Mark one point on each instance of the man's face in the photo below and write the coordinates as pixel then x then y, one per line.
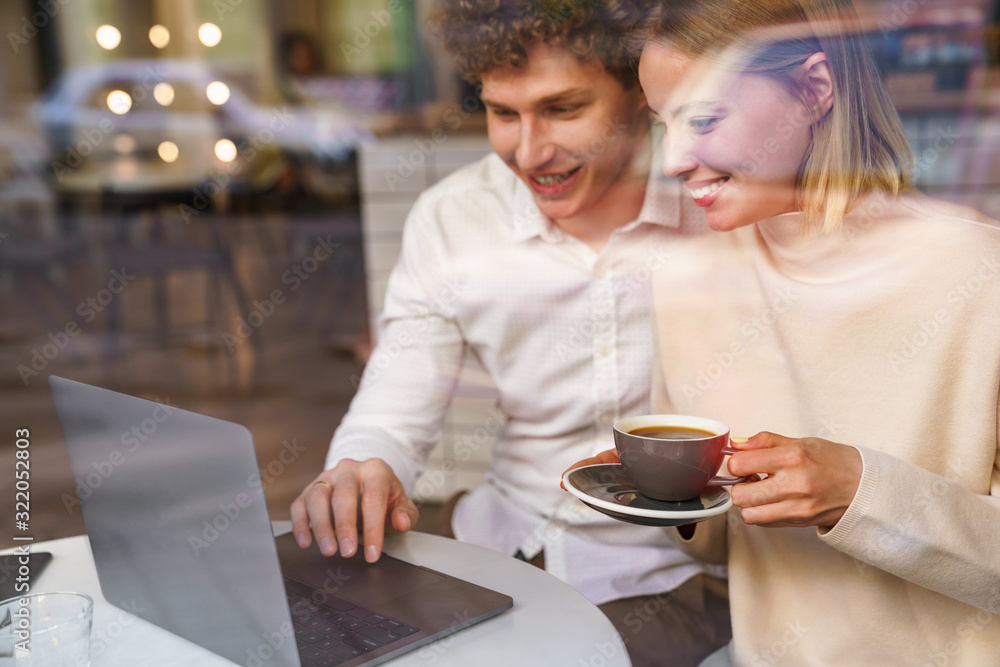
pixel 567 128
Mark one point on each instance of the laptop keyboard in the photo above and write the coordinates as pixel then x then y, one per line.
pixel 337 630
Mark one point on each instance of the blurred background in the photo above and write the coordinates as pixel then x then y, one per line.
pixel 201 200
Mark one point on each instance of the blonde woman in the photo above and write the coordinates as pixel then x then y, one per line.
pixel 847 324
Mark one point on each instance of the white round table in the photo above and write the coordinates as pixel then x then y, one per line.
pixel 549 624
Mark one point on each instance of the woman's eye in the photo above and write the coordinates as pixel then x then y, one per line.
pixel 704 124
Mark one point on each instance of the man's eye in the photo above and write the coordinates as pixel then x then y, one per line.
pixel 502 113
pixel 565 109
pixel 704 124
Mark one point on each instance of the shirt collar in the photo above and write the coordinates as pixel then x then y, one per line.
pixel 661 204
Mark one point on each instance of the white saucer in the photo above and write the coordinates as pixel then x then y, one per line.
pixel 605 488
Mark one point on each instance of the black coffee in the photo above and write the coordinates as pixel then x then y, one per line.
pixel 671 432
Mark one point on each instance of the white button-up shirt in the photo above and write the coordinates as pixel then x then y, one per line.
pixel 565 334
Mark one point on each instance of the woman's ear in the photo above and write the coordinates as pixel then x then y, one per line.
pixel 816 80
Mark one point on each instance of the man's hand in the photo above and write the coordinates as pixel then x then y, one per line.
pixel 810 482
pixel 607 456
pixel 335 493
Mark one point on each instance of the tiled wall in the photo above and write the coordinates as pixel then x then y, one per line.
pixel 393 172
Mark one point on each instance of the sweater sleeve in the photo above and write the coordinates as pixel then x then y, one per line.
pixel 925 528
pixel 409 380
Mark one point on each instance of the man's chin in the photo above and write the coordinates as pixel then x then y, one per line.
pixel 556 209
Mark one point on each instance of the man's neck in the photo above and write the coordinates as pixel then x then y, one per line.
pixel 619 206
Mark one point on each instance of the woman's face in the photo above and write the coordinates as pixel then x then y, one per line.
pixel 735 140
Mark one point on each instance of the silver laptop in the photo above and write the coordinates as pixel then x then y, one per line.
pixel 178 525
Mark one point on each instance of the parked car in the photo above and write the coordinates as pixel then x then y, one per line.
pixel 147 126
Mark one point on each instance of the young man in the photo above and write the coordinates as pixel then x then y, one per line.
pixel 538 259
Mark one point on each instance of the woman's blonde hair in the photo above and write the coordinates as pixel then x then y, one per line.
pixel 859 147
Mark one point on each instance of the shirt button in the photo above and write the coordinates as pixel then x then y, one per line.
pixel 604 351
pixel 607 419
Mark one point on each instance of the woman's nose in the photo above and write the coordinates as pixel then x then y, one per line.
pixel 678 157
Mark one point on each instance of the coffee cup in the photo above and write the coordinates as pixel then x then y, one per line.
pixel 673 457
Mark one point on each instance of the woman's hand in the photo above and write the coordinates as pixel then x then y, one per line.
pixel 607 456
pixel 810 482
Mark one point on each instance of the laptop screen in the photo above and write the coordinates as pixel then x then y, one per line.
pixel 177 520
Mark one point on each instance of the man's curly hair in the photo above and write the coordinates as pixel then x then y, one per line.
pixel 483 35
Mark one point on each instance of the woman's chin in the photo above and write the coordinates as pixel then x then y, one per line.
pixel 725 223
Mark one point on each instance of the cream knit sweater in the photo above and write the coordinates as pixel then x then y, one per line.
pixel 884 336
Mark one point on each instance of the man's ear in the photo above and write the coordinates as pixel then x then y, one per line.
pixel 816 80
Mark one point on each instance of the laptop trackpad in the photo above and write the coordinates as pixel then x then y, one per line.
pixel 351 578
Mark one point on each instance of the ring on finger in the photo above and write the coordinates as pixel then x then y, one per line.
pixel 324 483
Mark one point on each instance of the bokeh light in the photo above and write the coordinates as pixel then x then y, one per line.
pixel 119 102
pixel 108 37
pixel 163 93
pixel 225 150
pixel 168 151
pixel 217 92
pixel 124 143
pixel 159 36
pixel 209 34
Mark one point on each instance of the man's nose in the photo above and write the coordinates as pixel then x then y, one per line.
pixel 534 146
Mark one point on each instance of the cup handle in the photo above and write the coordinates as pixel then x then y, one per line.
pixel 726 481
